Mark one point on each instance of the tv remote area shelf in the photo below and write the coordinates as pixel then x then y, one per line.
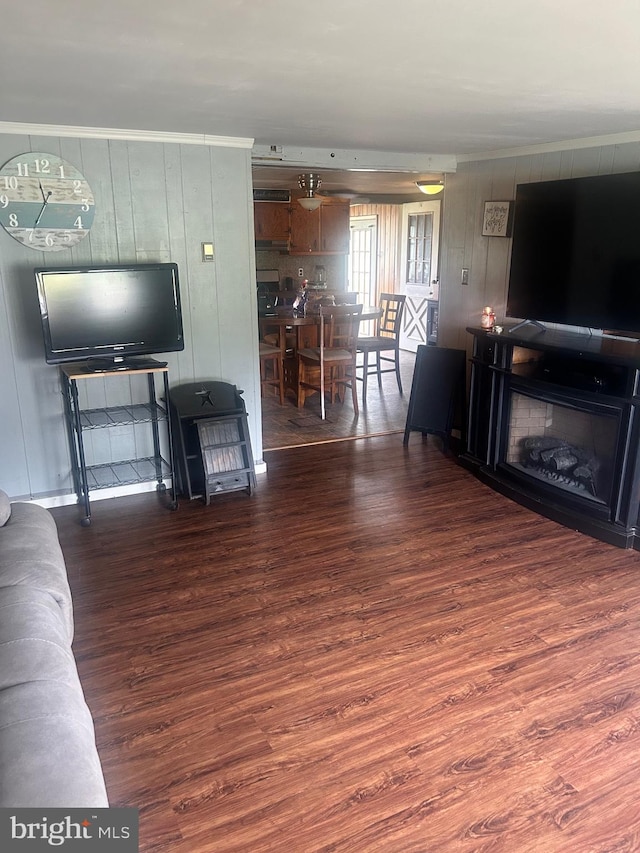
pixel 90 478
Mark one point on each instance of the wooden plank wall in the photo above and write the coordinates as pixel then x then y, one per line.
pixel 389 232
pixel 487 258
pixel 155 201
pixel 159 201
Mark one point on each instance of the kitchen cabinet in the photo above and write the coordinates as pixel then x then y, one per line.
pixel 272 221
pixel 305 230
pixel 334 228
pixel 324 231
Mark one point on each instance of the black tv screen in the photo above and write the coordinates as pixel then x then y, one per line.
pixel 575 256
pixel 110 313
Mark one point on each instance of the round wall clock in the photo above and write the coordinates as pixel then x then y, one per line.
pixel 45 202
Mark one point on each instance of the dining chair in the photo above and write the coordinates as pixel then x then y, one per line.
pixel 385 340
pixel 272 347
pixel 330 367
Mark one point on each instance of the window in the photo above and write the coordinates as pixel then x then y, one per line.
pixel 419 239
pixel 362 258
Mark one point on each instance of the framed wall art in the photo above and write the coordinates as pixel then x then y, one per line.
pixel 496 221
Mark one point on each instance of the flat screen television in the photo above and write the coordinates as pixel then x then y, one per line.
pixel 575 257
pixel 109 315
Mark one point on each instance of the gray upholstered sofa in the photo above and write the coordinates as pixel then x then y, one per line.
pixel 48 755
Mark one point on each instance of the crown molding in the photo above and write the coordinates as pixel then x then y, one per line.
pixel 378 161
pixel 550 147
pixel 115 133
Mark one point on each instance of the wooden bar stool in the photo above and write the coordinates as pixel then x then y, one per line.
pixel 272 369
pixel 331 366
pixel 385 340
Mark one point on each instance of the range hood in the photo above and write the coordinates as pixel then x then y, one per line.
pixel 273 245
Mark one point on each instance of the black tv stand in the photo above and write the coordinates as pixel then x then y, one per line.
pixel 130 466
pixel 541 329
pixel 567 390
pixel 108 365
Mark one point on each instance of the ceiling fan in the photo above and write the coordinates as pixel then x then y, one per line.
pixel 310 182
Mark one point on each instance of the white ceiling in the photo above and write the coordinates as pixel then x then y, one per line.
pixel 433 76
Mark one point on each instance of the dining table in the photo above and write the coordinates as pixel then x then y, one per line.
pixel 298 319
pixel 303 332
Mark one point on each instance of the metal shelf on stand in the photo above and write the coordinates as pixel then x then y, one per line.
pixel 90 478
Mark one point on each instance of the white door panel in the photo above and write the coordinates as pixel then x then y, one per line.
pixel 419 270
pixel 414 325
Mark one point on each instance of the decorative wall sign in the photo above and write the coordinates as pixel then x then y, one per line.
pixel 496 221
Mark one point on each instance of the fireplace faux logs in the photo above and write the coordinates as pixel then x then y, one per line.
pixel 561 462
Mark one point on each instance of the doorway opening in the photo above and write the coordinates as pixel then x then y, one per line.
pixel 362 267
pixel 370 266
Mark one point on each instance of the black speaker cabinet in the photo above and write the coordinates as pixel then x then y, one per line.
pixel 213 447
pixel 437 392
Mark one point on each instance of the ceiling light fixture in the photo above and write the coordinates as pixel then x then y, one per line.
pixel 309 183
pixel 430 187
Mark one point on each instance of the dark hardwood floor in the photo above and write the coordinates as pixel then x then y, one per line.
pixel 386 412
pixel 374 653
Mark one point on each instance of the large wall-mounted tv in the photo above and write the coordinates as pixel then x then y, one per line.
pixel 108 315
pixel 575 256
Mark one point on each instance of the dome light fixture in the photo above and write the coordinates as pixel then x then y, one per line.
pixel 430 187
pixel 309 182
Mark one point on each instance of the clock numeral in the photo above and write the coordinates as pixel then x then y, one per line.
pixel 4 200
pixel 48 240
pixel 31 231
pixel 78 222
pixel 77 186
pixel 85 205
pixel 61 170
pixel 10 182
pixel 23 170
pixel 13 220
pixel 43 166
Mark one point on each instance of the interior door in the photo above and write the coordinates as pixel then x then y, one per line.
pixel 419 270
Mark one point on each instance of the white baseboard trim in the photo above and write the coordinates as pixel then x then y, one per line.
pixel 116 492
pixel 99 495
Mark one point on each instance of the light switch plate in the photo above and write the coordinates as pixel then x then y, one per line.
pixel 207 251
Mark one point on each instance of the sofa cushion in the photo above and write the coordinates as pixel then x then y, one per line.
pixel 30 555
pixel 5 508
pixel 33 639
pixel 48 755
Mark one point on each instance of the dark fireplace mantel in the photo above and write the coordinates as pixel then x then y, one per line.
pixel 554 424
